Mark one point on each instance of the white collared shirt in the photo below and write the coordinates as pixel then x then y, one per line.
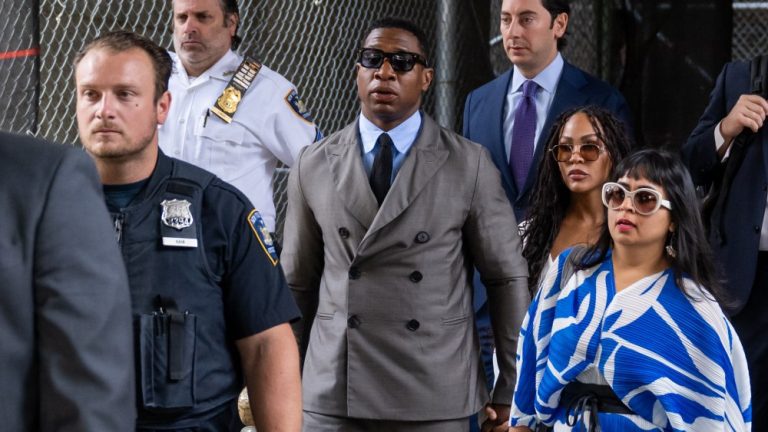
pixel 547 80
pixel 266 128
pixel 403 136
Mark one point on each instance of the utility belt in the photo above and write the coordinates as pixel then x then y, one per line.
pixel 580 398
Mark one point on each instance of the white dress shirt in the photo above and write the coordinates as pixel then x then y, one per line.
pixel 266 128
pixel 403 137
pixel 547 80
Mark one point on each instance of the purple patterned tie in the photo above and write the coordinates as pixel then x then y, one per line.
pixel 523 134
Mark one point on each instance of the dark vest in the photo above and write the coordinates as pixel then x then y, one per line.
pixel 186 362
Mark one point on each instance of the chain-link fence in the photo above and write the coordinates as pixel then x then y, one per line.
pixel 312 43
pixel 18 66
pixel 750 29
pixel 582 48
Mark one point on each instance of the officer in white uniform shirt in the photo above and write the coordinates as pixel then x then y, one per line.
pixel 253 127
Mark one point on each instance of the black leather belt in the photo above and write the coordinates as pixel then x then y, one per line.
pixel 580 398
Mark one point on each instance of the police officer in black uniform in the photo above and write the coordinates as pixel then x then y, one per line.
pixel 210 304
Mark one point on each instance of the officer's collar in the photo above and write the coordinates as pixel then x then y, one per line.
pixel 223 69
pixel 163 170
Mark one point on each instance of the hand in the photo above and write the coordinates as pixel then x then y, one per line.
pixel 498 418
pixel 749 112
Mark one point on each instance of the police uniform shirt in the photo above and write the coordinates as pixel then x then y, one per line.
pixel 256 296
pixel 238 260
pixel 270 124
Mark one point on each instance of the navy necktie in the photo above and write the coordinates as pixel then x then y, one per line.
pixel 381 172
pixel 523 134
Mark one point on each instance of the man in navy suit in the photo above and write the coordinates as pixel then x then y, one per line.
pixel 740 239
pixel 533 33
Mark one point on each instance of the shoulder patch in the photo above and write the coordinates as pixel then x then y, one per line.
pixel 262 234
pixel 298 106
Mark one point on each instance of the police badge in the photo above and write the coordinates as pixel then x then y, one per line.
pixel 226 104
pixel 177 216
pixel 176 213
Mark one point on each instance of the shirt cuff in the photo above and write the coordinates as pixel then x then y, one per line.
pixel 720 141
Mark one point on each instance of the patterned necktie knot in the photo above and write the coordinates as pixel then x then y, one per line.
pixel 529 88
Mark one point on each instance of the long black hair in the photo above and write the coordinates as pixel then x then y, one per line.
pixel 551 197
pixel 693 257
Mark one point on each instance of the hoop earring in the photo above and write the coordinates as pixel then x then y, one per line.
pixel 669 248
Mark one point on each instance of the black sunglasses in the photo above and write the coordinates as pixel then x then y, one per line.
pixel 372 58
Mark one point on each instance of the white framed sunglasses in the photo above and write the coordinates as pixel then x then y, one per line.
pixel 646 201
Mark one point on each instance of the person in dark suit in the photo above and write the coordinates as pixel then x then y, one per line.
pixel 385 220
pixel 740 240
pixel 533 33
pixel 66 360
pixel 513 114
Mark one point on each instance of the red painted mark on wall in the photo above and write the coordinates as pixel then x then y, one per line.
pixel 19 53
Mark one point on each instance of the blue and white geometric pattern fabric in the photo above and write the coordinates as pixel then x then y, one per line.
pixel 675 361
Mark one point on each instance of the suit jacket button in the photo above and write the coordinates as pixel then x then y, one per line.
pixel 422 237
pixel 343 232
pixel 757 228
pixel 416 277
pixel 354 273
pixel 413 325
pixel 353 322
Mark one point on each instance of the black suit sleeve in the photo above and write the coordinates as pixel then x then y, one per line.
pixel 82 308
pixel 699 152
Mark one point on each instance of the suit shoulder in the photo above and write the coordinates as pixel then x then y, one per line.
pixel 597 85
pixel 25 157
pixel 319 148
pixel 20 149
pixel 492 87
pixel 461 146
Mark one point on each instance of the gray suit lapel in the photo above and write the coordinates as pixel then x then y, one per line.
pixel 424 160
pixel 349 176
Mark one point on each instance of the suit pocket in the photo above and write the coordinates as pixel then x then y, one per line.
pixel 324 315
pixel 167 360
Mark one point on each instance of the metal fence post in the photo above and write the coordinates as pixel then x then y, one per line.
pixel 446 66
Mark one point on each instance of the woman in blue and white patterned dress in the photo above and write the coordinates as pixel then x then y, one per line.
pixel 628 335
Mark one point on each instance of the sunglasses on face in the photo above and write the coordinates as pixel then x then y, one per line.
pixel 372 58
pixel 645 201
pixel 588 152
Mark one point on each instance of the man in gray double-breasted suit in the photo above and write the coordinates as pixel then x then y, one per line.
pixel 387 337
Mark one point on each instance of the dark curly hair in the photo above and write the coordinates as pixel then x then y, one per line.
pixel 694 256
pixel 551 197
